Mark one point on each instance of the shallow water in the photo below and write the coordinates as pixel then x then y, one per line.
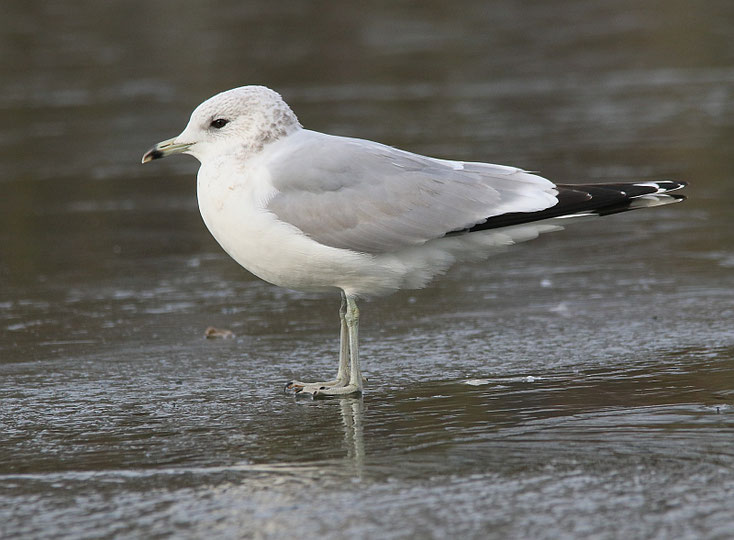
pixel 580 385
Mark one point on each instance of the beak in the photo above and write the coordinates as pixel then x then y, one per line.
pixel 165 148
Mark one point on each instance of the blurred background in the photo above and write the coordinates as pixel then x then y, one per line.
pixel 578 385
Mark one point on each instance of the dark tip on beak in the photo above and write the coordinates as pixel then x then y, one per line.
pixel 165 148
pixel 152 154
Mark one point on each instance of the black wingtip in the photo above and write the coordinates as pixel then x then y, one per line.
pixel 665 185
pixel 600 199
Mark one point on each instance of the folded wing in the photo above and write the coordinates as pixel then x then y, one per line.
pixel 368 197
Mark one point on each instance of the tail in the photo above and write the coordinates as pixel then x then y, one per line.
pixel 576 200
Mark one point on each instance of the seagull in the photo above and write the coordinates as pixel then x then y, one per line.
pixel 315 212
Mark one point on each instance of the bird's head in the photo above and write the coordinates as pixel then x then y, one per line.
pixel 241 121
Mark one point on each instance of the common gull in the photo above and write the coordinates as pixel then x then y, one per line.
pixel 316 212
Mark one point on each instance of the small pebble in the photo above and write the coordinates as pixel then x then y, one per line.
pixel 216 333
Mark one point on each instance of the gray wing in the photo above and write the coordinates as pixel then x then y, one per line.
pixel 365 196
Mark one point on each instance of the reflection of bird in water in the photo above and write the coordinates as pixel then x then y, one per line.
pixel 310 211
pixel 352 416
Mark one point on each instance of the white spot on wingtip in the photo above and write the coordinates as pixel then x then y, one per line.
pixel 653 185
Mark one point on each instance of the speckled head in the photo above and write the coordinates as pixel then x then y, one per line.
pixel 240 121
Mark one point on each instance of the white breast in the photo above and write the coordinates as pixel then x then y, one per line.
pixel 232 206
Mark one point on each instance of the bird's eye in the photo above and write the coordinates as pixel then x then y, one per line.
pixel 219 123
